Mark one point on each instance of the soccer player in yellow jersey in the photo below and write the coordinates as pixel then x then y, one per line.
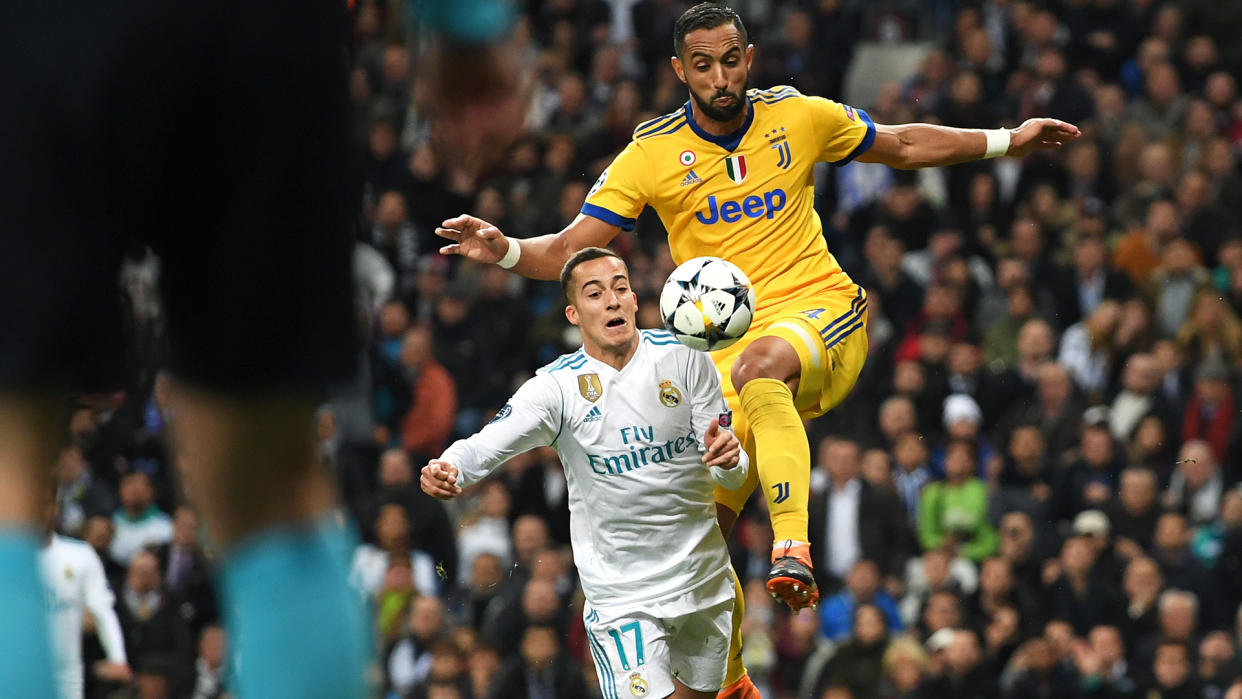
pixel 730 176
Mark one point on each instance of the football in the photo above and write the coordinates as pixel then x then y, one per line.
pixel 707 303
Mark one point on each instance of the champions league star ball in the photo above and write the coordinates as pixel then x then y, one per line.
pixel 707 303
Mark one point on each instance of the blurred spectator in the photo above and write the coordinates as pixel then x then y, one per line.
pixel 425 428
pixel 1034 345
pixel 1174 284
pixel 803 654
pixel 1212 332
pixel 209 675
pixel 858 661
pixel 854 520
pixel 911 472
pixel 1139 397
pixel 963 421
pixel 1023 482
pixel 539 488
pixel 862 586
pixel 1019 546
pixel 1087 351
pixel 1076 593
pixel 446 672
pixel 188 573
pixel 397 240
pixel 153 631
pixel 1089 281
pixel 138 523
pixel 1089 480
pixel 542 669
pixel 373 563
pixel 935 571
pixel 538 603
pixel 1035 672
pixel 964 675
pixel 1197 484
pixel 1178 566
pixel 1218 663
pixel 431 530
pixel 408 660
pixel 1173 672
pixel 79 496
pixel 1210 415
pixel 1133 511
pixel 1102 665
pixel 953 512
pixel 1162 110
pixel 998 591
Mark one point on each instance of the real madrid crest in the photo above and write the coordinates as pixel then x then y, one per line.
pixel 669 395
pixel 638 686
pixel 590 387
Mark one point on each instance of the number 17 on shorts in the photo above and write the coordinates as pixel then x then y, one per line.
pixel 639 655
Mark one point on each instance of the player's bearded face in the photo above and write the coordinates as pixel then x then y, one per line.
pixel 715 64
pixel 722 104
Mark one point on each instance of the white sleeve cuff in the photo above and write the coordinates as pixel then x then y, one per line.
pixel 732 478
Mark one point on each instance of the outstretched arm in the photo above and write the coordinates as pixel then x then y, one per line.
pixel 910 146
pixel 540 258
pixel 531 418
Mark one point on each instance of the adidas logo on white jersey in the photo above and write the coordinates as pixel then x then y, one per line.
pixel 690 179
pixel 594 416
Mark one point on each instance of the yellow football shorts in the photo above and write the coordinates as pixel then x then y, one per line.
pixel 829 333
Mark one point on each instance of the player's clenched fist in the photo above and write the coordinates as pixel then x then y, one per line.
pixel 723 449
pixel 439 480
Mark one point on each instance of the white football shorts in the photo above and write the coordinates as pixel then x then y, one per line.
pixel 639 655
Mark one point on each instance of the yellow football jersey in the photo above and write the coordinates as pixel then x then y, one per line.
pixel 747 197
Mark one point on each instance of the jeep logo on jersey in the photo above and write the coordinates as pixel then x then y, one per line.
pixel 732 211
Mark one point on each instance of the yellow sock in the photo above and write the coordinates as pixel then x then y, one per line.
pixel 784 455
pixel 736 669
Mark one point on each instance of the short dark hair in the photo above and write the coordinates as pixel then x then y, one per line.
pixel 705 15
pixel 583 255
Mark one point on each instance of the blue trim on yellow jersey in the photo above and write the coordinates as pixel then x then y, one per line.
pixel 858 298
pixel 729 141
pixel 865 144
pixel 607 216
pixel 648 128
pixel 774 96
pixel 667 128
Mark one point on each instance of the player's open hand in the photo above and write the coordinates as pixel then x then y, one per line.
pixel 1040 134
pixel 439 480
pixel 473 238
pixel 723 449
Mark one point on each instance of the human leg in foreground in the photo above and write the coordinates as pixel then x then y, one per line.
pixel 297 628
pixel 800 366
pixel 27 443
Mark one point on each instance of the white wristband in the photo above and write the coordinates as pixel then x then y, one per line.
pixel 511 255
pixel 998 142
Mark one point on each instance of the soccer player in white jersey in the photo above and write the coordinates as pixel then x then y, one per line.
pixel 74 580
pixel 639 423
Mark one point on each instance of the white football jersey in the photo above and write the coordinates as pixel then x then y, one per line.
pixel 73 578
pixel 642 511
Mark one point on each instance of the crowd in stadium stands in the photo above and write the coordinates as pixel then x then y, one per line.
pixel 1033 491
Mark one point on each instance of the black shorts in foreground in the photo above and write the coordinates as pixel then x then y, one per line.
pixel 214 132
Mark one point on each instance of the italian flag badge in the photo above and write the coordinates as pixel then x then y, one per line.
pixel 735 165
